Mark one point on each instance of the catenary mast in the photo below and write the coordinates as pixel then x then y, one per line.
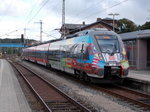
pixel 63 18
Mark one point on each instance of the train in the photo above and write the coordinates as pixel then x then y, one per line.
pixel 95 55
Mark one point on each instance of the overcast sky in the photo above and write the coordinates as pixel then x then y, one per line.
pixel 15 15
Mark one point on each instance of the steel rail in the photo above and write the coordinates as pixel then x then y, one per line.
pixel 140 103
pixel 47 109
pixel 133 91
pixel 83 108
pixel 61 92
pixel 123 96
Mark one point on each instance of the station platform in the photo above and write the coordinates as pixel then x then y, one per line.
pixel 141 75
pixel 139 79
pixel 12 98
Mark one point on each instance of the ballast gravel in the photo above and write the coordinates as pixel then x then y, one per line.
pixel 98 101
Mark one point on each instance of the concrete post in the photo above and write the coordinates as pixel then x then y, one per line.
pixel 141 54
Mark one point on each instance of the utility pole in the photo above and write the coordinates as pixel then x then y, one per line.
pixel 25 37
pixel 113 14
pixel 63 18
pixel 40 29
pixel 63 12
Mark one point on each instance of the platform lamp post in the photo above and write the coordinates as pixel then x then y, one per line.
pixel 113 14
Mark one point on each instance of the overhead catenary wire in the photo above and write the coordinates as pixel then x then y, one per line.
pixel 31 11
pixel 8 33
pixel 96 4
pixel 56 8
pixel 38 11
pixel 51 35
pixel 101 11
pixel 86 9
pixel 45 1
pixel 90 7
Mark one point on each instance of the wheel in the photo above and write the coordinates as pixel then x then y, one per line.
pixel 87 78
pixel 76 72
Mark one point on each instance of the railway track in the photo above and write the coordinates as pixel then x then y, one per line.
pixel 52 98
pixel 138 98
pixel 130 95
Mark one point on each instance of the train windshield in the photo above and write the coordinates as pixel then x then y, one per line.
pixel 108 43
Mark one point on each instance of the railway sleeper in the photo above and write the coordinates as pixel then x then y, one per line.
pixel 61 105
pixel 64 108
pixel 145 101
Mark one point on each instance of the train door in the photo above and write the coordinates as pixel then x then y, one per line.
pixel 78 55
pixel 62 57
pixel 82 57
pixel 46 56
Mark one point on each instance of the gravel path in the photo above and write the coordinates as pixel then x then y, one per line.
pixel 98 100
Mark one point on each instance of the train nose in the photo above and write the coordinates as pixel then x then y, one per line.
pixel 112 70
pixel 115 70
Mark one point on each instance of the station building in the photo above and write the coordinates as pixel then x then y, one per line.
pixel 137 45
pixel 68 29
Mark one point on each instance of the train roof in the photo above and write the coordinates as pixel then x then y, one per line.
pixel 86 32
pixel 81 33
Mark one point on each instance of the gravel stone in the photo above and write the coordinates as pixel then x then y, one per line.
pixel 99 101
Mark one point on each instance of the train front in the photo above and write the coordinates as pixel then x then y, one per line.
pixel 109 55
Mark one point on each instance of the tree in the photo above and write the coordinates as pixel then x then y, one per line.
pixel 145 26
pixel 126 25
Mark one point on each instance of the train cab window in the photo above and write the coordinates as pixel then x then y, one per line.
pixel 108 43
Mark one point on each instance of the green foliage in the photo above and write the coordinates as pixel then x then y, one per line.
pixel 7 50
pixel 126 25
pixel 18 40
pixel 6 40
pixel 145 26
